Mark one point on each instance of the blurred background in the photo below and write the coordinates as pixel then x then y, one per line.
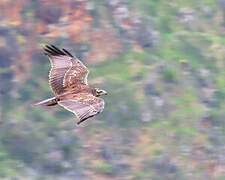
pixel 163 65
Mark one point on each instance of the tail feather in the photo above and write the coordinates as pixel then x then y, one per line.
pixel 47 102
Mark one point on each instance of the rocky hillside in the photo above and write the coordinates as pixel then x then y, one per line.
pixel 163 65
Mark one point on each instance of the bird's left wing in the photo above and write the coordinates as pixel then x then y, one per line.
pixel 83 105
pixel 66 72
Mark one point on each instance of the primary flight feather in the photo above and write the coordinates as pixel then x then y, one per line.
pixel 68 81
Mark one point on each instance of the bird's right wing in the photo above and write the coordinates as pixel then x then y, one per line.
pixel 83 105
pixel 67 71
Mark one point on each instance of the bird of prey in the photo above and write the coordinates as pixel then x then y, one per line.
pixel 68 81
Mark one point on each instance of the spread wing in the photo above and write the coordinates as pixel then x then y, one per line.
pixel 83 105
pixel 67 71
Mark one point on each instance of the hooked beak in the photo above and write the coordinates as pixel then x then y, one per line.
pixel 103 92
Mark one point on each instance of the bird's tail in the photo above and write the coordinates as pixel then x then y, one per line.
pixel 47 102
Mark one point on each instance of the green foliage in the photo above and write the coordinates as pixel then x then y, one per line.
pixel 157 152
pixel 140 175
pixel 21 146
pixel 169 76
pixel 8 169
pixel 216 118
pixel 122 106
pixel 25 93
pixel 103 168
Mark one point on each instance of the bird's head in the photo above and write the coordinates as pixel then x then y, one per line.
pixel 100 92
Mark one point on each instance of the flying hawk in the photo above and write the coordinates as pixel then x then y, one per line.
pixel 68 81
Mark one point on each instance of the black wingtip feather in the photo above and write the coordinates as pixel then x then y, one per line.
pixel 48 52
pixel 58 50
pixel 82 120
pixel 54 51
pixel 51 50
pixel 67 52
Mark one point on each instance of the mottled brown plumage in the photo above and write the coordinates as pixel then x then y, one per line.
pixel 68 80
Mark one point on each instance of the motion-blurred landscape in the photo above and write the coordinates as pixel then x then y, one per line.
pixel 162 63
